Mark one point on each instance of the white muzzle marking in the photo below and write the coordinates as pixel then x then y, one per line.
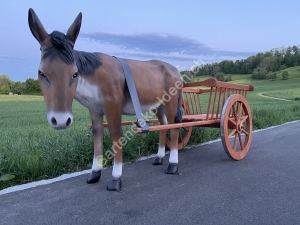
pixel 60 120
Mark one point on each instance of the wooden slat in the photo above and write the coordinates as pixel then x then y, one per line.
pixel 192 90
pixel 209 101
pixel 214 104
pixel 199 104
pixel 219 100
pixel 126 123
pixel 211 82
pixel 179 125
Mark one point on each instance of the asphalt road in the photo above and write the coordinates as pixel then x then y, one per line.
pixel 263 188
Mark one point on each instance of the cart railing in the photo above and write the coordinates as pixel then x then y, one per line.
pixel 218 93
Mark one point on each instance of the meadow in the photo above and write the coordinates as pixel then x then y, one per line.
pixel 31 150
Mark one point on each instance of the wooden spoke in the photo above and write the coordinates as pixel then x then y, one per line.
pixel 240 110
pixel 232 133
pixel 243 119
pixel 185 128
pixel 235 142
pixel 180 137
pixel 241 141
pixel 232 121
pixel 245 132
pixel 234 113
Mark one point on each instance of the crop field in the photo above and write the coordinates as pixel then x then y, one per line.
pixel 31 150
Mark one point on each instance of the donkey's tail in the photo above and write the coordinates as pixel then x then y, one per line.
pixel 179 112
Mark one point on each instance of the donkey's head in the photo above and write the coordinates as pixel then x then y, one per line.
pixel 57 71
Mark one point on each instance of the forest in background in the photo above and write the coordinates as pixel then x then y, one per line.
pixel 261 66
pixel 29 87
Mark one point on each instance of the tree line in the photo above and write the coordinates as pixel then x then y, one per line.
pixel 29 87
pixel 268 62
pixel 261 66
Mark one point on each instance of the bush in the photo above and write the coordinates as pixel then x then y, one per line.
pixel 259 73
pixel 282 67
pixel 227 79
pixel 285 75
pixel 220 76
pixel 272 76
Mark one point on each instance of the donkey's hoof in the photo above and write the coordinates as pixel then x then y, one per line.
pixel 158 161
pixel 94 177
pixel 114 185
pixel 172 168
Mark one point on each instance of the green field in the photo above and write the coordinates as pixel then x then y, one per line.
pixel 290 94
pixel 30 150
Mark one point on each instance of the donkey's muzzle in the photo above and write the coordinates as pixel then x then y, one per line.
pixel 60 120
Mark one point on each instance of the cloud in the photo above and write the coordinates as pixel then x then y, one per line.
pixel 166 45
pixel 12 57
pixel 149 42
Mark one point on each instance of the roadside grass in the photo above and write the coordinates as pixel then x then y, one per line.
pixel 30 150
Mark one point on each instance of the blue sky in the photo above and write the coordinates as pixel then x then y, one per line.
pixel 183 33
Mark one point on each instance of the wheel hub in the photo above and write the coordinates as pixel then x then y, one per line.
pixel 239 127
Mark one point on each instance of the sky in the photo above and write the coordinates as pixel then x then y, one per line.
pixel 182 33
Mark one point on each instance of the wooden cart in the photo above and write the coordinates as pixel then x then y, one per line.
pixel 216 104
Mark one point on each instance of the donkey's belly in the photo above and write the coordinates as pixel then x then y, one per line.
pixel 128 108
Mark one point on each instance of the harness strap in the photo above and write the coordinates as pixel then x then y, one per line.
pixel 134 96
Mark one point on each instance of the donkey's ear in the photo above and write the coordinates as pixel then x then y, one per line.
pixel 74 29
pixel 36 27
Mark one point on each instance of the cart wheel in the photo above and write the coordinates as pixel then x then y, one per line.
pixel 184 132
pixel 236 127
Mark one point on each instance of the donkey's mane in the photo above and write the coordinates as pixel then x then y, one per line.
pixel 86 62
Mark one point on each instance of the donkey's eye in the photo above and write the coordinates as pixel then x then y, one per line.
pixel 41 74
pixel 75 75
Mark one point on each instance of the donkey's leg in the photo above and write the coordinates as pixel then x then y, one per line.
pixel 114 124
pixel 98 129
pixel 172 112
pixel 162 139
pixel 172 167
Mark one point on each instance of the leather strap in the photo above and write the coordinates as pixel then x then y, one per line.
pixel 134 96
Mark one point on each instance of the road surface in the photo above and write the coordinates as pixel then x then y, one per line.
pixel 263 188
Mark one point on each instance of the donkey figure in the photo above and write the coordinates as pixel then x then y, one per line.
pixel 97 81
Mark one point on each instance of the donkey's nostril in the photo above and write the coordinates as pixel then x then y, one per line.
pixel 68 121
pixel 53 121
